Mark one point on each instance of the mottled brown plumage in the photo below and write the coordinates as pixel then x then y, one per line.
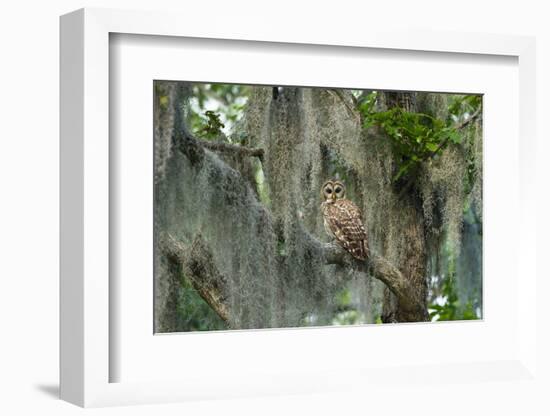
pixel 342 220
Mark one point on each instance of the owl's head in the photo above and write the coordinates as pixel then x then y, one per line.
pixel 332 190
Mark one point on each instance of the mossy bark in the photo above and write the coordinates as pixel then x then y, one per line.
pixel 414 258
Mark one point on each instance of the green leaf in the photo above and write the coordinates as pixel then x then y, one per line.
pixel 432 147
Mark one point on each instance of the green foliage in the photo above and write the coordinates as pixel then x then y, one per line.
pixel 462 106
pixel 344 298
pixel 345 313
pixel 213 126
pixel 450 309
pixel 162 97
pixel 415 137
pixel 228 96
pixel 215 108
pixel 349 317
pixel 163 101
pixel 367 104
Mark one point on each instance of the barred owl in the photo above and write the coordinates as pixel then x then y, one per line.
pixel 342 220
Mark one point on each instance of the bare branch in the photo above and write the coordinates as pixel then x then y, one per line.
pixel 190 140
pixel 340 96
pixel 458 126
pixel 470 119
pixel 378 267
pixel 232 148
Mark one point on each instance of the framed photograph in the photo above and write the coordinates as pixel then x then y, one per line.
pixel 281 213
pixel 249 179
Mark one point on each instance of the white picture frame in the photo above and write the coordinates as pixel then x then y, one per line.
pixel 86 356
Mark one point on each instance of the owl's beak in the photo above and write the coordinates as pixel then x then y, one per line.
pixel 333 196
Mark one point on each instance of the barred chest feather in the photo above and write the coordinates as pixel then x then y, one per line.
pixel 342 221
pixel 326 224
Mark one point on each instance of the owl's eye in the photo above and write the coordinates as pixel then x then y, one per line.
pixel 328 191
pixel 338 190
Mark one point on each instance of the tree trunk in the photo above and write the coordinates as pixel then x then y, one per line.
pixel 413 267
pixel 413 237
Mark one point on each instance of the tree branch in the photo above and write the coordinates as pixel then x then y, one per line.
pixel 198 266
pixel 378 267
pixel 339 95
pixel 458 126
pixel 470 119
pixel 190 139
pixel 232 148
